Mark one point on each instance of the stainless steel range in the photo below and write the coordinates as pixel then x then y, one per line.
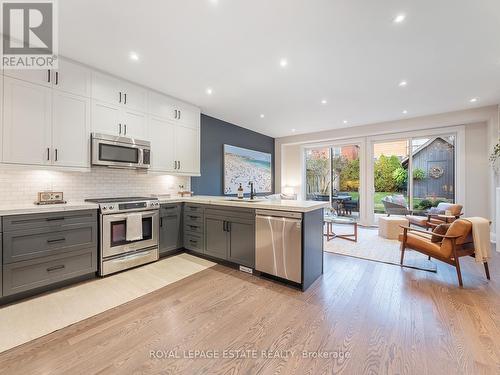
pixel 128 232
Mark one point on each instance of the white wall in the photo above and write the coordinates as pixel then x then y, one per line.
pixel 481 133
pixel 22 185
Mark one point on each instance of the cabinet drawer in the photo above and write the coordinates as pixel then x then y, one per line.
pixel 241 213
pixel 31 274
pixel 48 220
pixel 193 227
pixel 193 217
pixel 193 241
pixel 41 242
pixel 167 210
pixel 191 209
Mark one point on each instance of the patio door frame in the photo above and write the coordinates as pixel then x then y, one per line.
pixel 457 131
pixel 361 143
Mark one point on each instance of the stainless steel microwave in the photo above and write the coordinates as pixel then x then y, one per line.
pixel 120 152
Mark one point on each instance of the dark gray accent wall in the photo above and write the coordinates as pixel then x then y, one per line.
pixel 214 134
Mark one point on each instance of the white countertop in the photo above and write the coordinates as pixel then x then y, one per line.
pixel 259 203
pixel 266 204
pixel 31 208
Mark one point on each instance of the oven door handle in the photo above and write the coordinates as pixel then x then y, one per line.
pixel 124 217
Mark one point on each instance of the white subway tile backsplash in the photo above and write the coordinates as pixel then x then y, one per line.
pixel 22 186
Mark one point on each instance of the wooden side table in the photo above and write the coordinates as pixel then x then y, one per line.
pixel 330 234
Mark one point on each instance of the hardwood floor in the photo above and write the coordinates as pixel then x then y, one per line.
pixel 361 317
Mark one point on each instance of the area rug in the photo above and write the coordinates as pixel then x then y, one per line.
pixel 27 320
pixel 372 247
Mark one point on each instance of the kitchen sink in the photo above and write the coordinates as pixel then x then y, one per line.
pixel 248 200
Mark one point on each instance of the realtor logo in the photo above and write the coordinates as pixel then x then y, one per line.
pixel 29 34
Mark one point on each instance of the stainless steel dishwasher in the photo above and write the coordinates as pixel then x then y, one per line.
pixel 278 244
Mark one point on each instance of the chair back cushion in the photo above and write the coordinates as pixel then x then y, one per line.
pixel 440 229
pixel 461 228
pixel 455 209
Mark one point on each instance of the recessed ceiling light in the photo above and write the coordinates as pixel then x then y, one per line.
pixel 323 101
pixel 403 83
pixel 134 56
pixel 473 100
pixel 283 63
pixel 399 18
pixel 209 91
pixel 262 115
pixel 405 112
pixel 345 121
pixel 294 130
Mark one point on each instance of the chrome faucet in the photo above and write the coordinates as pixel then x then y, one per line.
pixel 252 191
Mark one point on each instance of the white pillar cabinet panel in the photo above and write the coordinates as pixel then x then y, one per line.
pixel 39 76
pixel 106 118
pixel 187 149
pixel 134 97
pixel 26 122
pixel 72 78
pixel 133 124
pixel 106 89
pixel 189 116
pixel 70 130
pixel 162 133
pixel 161 106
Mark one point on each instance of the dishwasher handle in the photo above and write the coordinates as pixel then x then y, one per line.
pixel 279 214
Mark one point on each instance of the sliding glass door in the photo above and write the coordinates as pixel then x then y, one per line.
pixel 411 175
pixel 333 175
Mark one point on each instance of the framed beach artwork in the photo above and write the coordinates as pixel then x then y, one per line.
pixel 242 165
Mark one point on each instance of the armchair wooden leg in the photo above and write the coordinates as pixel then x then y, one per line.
pixel 487 270
pixel 459 273
pixel 403 244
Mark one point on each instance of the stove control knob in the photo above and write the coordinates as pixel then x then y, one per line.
pixel 111 207
pixel 104 208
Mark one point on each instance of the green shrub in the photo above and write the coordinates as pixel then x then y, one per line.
pixel 418 174
pixel 383 170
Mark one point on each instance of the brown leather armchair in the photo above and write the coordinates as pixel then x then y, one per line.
pixel 433 220
pixel 448 248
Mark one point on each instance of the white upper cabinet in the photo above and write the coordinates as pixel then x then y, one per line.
pixel 70 130
pixel 69 77
pixel 48 115
pixel 166 107
pixel 106 118
pixel 72 78
pixel 133 124
pixel 187 150
pixel 161 134
pixel 41 77
pixel 162 106
pixel 115 91
pixel 26 123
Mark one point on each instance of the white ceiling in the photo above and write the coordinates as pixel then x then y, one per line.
pixel 348 52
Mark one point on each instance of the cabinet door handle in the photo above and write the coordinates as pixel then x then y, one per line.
pixel 125 98
pixel 57 78
pixel 56 154
pixel 48 75
pixel 179 164
pixel 55 240
pixel 161 222
pixel 175 114
pixel 224 226
pixel 120 129
pixel 55 218
pixel 48 153
pixel 229 226
pixel 180 113
pixel 125 127
pixel 55 268
pixel 120 99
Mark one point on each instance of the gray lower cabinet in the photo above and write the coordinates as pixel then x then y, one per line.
pixel 215 236
pixel 241 248
pixel 230 237
pixel 24 276
pixel 170 228
pixel 47 248
pixel 194 229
